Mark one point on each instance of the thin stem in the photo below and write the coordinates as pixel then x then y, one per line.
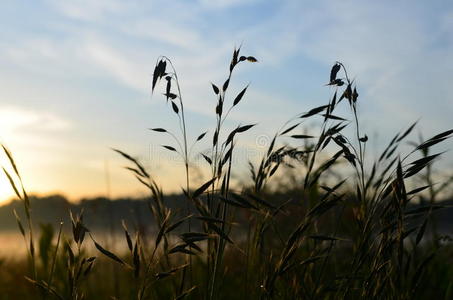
pixel 52 269
pixel 221 244
pixel 186 165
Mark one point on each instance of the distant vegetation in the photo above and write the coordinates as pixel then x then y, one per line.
pixel 102 214
pixel 370 235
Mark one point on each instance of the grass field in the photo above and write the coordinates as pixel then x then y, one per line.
pixel 350 227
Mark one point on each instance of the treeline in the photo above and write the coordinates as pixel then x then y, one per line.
pixel 101 213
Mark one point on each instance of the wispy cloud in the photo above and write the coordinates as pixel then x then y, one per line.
pixel 222 4
pixel 117 65
pixel 164 32
pixel 87 10
pixel 13 120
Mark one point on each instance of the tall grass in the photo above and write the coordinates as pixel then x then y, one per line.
pixel 353 238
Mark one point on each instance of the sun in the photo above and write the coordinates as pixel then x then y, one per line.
pixel 6 191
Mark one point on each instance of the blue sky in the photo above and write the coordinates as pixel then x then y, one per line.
pixel 75 76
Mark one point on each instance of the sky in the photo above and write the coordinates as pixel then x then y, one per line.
pixel 75 78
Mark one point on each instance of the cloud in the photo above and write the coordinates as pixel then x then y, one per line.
pixel 386 56
pixel 223 4
pixel 14 119
pixel 164 31
pixel 87 10
pixel 124 69
pixel 398 61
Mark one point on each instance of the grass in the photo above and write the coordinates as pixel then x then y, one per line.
pixel 357 237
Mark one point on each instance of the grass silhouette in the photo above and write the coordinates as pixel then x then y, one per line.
pixel 357 237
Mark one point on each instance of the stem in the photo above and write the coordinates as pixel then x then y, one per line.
pixel 221 245
pixel 52 269
pixel 186 165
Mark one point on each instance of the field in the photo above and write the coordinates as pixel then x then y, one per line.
pixel 333 223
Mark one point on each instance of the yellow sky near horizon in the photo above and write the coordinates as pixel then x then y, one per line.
pixel 76 180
